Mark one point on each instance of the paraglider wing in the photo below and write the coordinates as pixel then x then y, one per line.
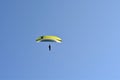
pixel 49 39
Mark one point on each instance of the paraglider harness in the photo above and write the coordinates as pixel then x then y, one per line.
pixel 49 47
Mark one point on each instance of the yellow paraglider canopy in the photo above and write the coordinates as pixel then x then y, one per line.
pixel 49 38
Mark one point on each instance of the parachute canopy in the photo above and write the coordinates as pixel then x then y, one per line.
pixel 49 38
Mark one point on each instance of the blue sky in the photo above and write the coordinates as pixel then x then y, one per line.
pixel 90 30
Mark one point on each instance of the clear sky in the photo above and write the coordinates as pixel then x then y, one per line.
pixel 90 30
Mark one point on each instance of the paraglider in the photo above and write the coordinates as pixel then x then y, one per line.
pixel 49 47
pixel 49 38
